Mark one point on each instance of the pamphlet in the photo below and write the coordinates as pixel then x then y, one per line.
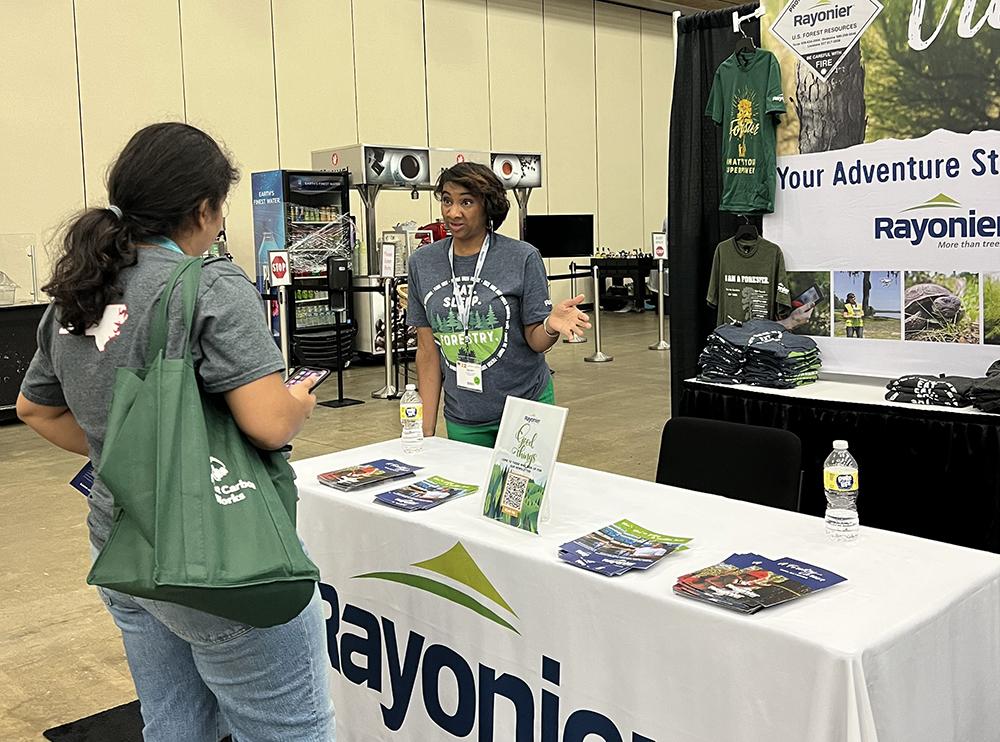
pixel 366 475
pixel 619 548
pixel 523 462
pixel 83 481
pixel 748 583
pixel 425 494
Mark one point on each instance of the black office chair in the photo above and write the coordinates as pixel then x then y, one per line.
pixel 744 462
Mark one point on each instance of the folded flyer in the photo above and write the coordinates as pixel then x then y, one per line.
pixel 366 475
pixel 748 583
pixel 619 548
pixel 425 494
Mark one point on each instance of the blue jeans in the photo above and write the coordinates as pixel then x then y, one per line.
pixel 200 677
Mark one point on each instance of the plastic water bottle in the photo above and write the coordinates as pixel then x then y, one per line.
pixel 411 415
pixel 840 480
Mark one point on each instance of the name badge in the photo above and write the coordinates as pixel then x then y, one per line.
pixel 470 376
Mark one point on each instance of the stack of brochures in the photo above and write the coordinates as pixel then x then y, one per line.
pixel 748 583
pixel 425 494
pixel 366 475
pixel 619 548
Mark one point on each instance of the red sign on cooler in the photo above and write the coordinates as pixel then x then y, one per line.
pixel 279 267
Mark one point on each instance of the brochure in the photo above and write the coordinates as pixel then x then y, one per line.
pixel 748 583
pixel 425 494
pixel 83 482
pixel 619 548
pixel 366 475
pixel 523 461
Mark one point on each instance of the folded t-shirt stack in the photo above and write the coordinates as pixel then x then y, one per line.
pixel 771 356
pixel 985 392
pixel 722 359
pixel 949 391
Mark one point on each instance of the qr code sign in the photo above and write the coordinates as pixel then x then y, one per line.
pixel 514 490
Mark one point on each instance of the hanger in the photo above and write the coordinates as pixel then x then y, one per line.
pixel 745 44
pixel 746 231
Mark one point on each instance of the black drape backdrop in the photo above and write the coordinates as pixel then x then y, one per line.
pixel 695 225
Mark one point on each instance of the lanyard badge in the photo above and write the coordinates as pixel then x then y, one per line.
pixel 469 373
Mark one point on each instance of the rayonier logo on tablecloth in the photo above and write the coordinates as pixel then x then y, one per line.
pixel 458 565
pixel 402 665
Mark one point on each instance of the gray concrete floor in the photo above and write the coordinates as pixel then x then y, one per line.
pixel 61 656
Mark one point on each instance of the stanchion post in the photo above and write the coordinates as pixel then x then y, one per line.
pixel 389 390
pixel 662 344
pixel 598 356
pixel 283 324
pixel 572 288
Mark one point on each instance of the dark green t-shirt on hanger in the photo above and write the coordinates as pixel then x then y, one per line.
pixel 746 98
pixel 748 281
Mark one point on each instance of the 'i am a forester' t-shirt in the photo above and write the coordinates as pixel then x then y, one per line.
pixel 746 98
pixel 748 281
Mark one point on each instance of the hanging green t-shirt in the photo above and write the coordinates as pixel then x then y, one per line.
pixel 748 281
pixel 746 98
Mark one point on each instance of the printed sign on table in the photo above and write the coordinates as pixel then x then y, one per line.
pixel 523 460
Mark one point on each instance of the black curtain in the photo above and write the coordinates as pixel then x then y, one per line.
pixel 695 225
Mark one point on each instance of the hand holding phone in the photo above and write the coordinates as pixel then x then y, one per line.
pixel 309 375
pixel 812 295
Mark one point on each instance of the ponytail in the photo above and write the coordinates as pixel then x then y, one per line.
pixel 95 249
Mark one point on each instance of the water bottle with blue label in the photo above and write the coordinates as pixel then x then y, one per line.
pixel 840 480
pixel 411 416
pixel 267 244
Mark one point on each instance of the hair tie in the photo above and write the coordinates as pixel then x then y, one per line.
pixel 116 211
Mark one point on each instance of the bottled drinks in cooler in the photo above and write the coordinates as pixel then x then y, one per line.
pixel 840 480
pixel 411 416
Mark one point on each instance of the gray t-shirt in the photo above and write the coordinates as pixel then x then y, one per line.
pixel 232 346
pixel 512 291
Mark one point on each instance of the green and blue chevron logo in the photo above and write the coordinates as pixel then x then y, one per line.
pixel 940 201
pixel 457 565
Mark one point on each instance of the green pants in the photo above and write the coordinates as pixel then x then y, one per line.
pixel 486 434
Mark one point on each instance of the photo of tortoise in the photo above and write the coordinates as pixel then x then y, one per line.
pixel 941 307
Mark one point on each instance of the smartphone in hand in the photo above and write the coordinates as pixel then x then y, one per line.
pixel 307 374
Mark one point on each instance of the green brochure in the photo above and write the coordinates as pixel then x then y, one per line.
pixel 523 461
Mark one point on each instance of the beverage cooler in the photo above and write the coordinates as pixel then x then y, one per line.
pixel 307 214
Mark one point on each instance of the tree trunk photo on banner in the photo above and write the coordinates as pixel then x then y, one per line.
pixel 831 114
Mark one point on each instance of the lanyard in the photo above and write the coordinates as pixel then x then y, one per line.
pixel 465 306
pixel 166 243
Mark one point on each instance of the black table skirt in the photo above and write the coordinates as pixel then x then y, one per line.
pixel 923 472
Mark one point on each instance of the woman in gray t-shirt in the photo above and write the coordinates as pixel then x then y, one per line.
pixel 195 673
pixel 480 303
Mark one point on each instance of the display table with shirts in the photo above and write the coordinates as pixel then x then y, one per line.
pixel 924 470
pixel 443 624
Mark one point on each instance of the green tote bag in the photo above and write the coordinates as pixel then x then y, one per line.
pixel 202 517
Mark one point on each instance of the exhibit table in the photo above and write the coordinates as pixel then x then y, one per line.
pixel 18 327
pixel 443 624
pixel 924 470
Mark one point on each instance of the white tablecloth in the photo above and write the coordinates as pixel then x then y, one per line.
pixel 907 649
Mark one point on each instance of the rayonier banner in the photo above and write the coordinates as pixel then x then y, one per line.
pixel 888 179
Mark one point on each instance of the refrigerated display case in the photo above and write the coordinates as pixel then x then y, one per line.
pixel 307 214
pixel 290 205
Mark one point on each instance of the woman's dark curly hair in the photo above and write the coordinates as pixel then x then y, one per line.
pixel 159 183
pixel 481 182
